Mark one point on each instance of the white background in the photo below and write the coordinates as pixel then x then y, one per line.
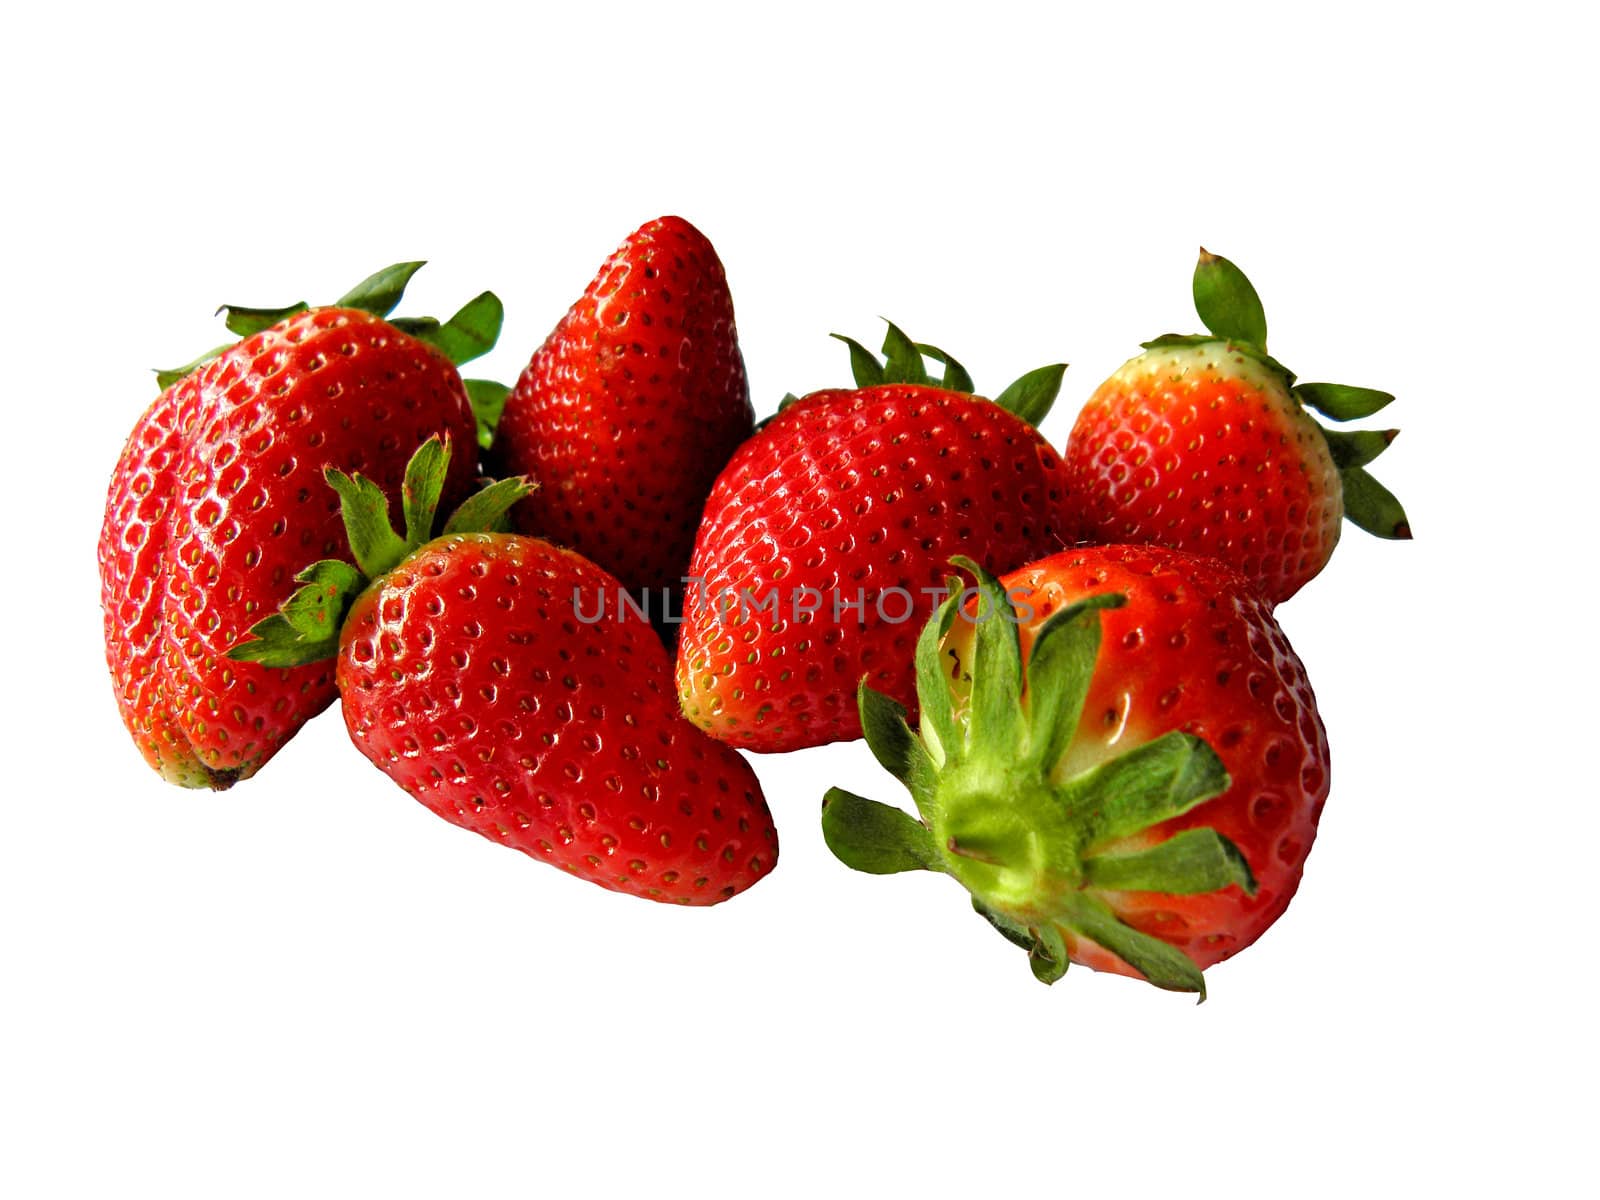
pixel 308 985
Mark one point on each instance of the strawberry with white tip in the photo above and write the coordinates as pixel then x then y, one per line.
pixel 1204 443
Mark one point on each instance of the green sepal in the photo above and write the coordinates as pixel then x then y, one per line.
pixel 1032 396
pixel 1357 447
pixel 274 643
pixel 994 714
pixel 1179 339
pixel 486 508
pixel 421 328
pixel 314 612
pixel 902 360
pixel 898 751
pixel 1059 672
pixel 422 487
pixel 167 376
pixel 380 292
pixel 1047 949
pixel 376 294
pixel 864 365
pixel 1341 402
pixel 933 688
pixel 374 544
pixel 306 628
pixel 1227 301
pixel 1149 784
pixel 488 400
pixel 876 838
pixel 1048 955
pixel 1163 965
pixel 1186 864
pixel 955 378
pixel 246 321
pixel 1014 933
pixel 471 333
pixel 1373 507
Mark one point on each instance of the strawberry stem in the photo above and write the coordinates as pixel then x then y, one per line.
pixel 306 626
pixel 1039 853
pixel 472 332
pixel 1029 397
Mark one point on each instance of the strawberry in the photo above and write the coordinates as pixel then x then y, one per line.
pixel 211 509
pixel 631 407
pixel 475 672
pixel 825 534
pixel 1203 442
pixel 1120 757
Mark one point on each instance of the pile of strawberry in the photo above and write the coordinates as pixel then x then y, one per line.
pixel 554 613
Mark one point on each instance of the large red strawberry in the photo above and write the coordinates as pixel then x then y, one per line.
pixel 217 501
pixel 496 678
pixel 630 408
pixel 1203 442
pixel 826 536
pixel 1120 757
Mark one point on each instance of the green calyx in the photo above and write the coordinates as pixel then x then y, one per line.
pixel 906 361
pixel 1040 850
pixel 1230 308
pixel 305 629
pixel 471 333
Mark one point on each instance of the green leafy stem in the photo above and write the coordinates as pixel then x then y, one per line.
pixel 305 629
pixel 1038 853
pixel 1231 310
pixel 469 334
pixel 906 361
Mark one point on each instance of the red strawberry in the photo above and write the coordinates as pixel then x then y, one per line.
pixel 1203 442
pixel 630 408
pixel 1128 775
pixel 134 548
pixel 475 671
pixel 217 500
pixel 849 504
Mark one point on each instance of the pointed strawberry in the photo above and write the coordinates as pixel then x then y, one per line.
pixel 1119 756
pixel 1204 442
pixel 630 408
pixel 217 501
pixel 496 678
pixel 827 537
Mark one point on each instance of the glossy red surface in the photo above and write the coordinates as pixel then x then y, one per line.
pixel 478 677
pixel 630 408
pixel 1203 448
pixel 218 501
pixel 864 496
